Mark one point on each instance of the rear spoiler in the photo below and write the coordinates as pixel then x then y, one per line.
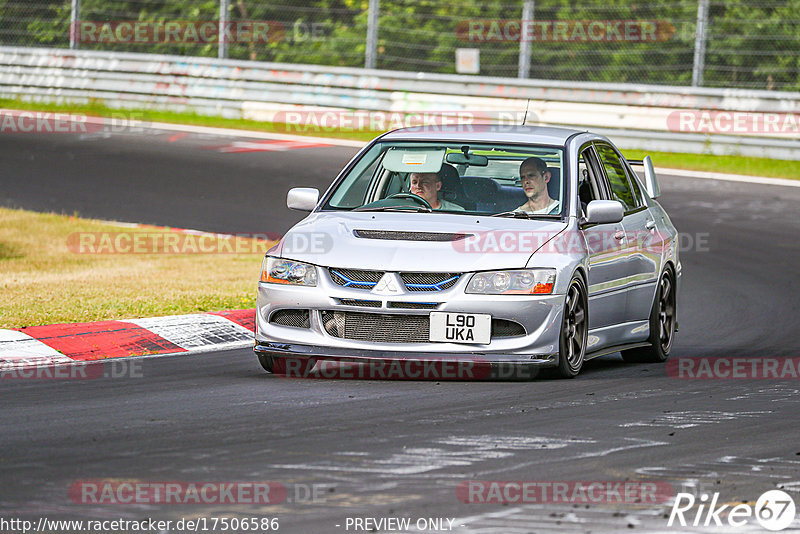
pixel 650 179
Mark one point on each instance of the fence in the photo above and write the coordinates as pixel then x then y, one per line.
pixel 752 44
pixel 665 118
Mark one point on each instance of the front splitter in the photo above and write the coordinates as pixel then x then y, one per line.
pixel 304 361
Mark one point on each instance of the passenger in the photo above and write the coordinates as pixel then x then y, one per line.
pixel 534 175
pixel 427 186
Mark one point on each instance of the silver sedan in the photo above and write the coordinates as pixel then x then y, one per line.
pixel 521 247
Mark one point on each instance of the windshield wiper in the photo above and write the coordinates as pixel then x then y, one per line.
pixel 524 215
pixel 419 209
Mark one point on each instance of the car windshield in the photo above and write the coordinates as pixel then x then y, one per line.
pixel 458 178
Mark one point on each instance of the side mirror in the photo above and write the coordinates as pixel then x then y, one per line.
pixel 302 198
pixel 650 180
pixel 604 211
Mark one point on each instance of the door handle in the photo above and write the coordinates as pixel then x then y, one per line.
pixel 650 224
pixel 620 235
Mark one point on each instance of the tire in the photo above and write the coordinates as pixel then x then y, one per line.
pixel 574 330
pixel 662 324
pixel 266 362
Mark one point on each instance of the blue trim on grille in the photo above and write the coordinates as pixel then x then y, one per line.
pixel 352 282
pixel 434 287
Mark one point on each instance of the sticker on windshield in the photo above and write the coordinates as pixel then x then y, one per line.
pixel 414 159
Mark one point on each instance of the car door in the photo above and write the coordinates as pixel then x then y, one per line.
pixel 646 260
pixel 637 223
pixel 608 261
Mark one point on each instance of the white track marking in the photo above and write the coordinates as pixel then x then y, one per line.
pixel 777 393
pixel 511 442
pixel 17 347
pixel 692 418
pixel 462 452
pixel 793 486
pixel 197 331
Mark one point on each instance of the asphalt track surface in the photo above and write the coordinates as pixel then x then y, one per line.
pixel 401 448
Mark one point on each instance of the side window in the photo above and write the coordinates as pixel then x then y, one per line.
pixel 617 179
pixel 589 184
pixel 586 188
pixel 634 179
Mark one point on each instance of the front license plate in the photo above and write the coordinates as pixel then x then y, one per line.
pixel 461 327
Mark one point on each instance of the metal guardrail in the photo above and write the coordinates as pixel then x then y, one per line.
pixel 635 116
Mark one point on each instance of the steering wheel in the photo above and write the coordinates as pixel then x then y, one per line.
pixel 411 196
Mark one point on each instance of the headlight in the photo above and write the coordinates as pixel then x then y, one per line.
pixel 522 282
pixel 278 271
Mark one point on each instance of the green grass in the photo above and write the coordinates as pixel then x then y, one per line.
pixel 698 162
pixel 47 275
pixel 772 168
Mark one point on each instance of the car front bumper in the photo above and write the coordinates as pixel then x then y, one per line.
pixel 540 317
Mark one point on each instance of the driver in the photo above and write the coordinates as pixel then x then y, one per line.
pixel 427 186
pixel 534 176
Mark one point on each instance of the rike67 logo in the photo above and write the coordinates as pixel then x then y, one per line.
pixel 774 510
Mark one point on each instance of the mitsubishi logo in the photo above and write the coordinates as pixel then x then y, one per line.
pixel 387 285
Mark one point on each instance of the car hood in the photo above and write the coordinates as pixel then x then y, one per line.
pixel 415 241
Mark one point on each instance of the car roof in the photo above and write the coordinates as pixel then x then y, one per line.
pixel 481 133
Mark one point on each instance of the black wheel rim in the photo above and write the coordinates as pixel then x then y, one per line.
pixel 666 313
pixel 574 332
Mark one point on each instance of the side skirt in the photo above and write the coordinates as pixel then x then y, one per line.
pixel 611 350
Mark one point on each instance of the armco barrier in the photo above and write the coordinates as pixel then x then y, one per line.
pixel 637 116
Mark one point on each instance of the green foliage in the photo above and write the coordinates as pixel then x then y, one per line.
pixel 34 22
pixel 751 44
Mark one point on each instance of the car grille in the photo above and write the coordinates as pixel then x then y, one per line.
pixel 293 318
pixel 388 328
pixel 377 327
pixel 360 302
pixel 364 279
pixel 355 278
pixel 409 236
pixel 429 281
pixel 504 328
pixel 414 305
